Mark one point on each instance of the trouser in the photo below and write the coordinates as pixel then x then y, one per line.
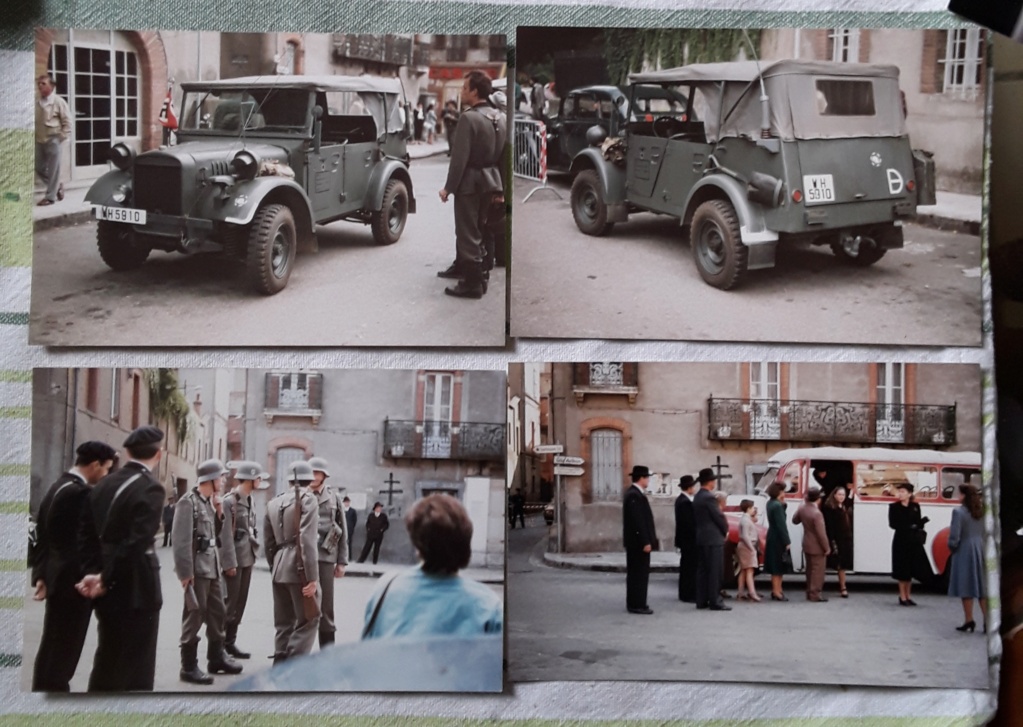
pixel 814 575
pixel 166 535
pixel 237 596
pixel 64 627
pixel 519 515
pixel 373 542
pixel 294 634
pixel 687 577
pixel 126 650
pixel 48 165
pixel 709 574
pixel 470 221
pixel 637 578
pixel 211 611
pixel 327 598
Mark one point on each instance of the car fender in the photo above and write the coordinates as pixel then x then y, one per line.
pixel 243 199
pixel 612 177
pixel 379 179
pixel 102 190
pixel 753 230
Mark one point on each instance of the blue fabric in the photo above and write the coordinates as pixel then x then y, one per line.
pixel 424 604
pixel 966 569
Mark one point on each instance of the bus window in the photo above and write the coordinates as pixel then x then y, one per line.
pixel 790 476
pixel 952 477
pixel 881 479
pixel 766 480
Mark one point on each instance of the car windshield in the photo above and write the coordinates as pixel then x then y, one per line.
pixel 227 111
pixel 767 479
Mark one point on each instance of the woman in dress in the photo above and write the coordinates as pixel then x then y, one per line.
pixel 838 524
pixel 909 560
pixel 778 541
pixel 430 123
pixel 966 566
pixel 747 552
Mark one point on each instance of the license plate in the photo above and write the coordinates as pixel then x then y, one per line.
pixel 818 188
pixel 128 215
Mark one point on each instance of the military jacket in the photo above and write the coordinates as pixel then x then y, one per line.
pixel 332 530
pixel 477 151
pixel 194 537
pixel 281 535
pixel 239 541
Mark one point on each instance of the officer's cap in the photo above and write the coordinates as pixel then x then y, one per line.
pixel 211 469
pixel 300 471
pixel 144 435
pixel 319 464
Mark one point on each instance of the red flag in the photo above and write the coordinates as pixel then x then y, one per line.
pixel 167 116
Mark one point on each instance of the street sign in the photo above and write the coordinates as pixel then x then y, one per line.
pixel 549 449
pixel 565 459
pixel 568 471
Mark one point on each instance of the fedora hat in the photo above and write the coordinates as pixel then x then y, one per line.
pixel 706 475
pixel 639 472
pixel 686 481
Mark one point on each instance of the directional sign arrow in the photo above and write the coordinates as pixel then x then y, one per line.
pixel 568 471
pixel 549 449
pixel 565 459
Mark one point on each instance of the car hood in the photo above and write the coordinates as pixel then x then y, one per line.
pixel 215 155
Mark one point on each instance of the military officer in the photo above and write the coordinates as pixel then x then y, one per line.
pixel 197 563
pixel 238 547
pixel 290 546
pixel 56 567
pixel 332 538
pixel 115 540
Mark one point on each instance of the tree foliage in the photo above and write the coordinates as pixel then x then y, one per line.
pixel 627 50
pixel 167 403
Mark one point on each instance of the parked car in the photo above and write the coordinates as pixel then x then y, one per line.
pixel 813 151
pixel 261 161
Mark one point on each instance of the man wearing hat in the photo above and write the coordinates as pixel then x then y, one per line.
pixel 56 567
pixel 332 539
pixel 194 535
pixel 711 529
pixel 238 547
pixel 640 539
pixel 376 525
pixel 116 538
pixel 294 578
pixel 351 518
pixel 685 539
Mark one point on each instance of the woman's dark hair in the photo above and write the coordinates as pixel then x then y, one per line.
pixel 774 489
pixel 831 501
pixel 972 500
pixel 441 531
pixel 745 505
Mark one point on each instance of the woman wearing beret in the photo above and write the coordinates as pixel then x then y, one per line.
pixel 909 560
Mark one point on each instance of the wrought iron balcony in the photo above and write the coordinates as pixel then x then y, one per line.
pixel 605 377
pixel 834 422
pixel 476 441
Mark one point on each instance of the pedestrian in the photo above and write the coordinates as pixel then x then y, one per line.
pixel 430 123
pixel 450 121
pixel 418 120
pixel 474 178
pixel 168 520
pixel 909 560
pixel 747 550
pixel 711 529
pixel 966 568
pixel 517 508
pixel 640 536
pixel 538 99
pixel 685 539
pixel 289 531
pixel 239 545
pixel 777 551
pixel 837 511
pixel 122 573
pixel 332 540
pixel 57 566
pixel 53 127
pixel 432 599
pixel 815 543
pixel 376 526
pixel 197 526
pixel 351 518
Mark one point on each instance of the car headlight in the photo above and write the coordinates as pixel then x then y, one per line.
pixel 121 156
pixel 120 194
pixel 245 164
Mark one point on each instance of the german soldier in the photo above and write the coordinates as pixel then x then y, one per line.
pixel 332 538
pixel 295 577
pixel 238 548
pixel 197 563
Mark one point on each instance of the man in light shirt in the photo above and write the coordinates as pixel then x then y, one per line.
pixel 53 126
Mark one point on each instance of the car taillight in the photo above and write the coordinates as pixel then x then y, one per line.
pixel 797 196
pixel 910 185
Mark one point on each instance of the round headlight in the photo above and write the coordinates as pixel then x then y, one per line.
pixel 245 164
pixel 121 156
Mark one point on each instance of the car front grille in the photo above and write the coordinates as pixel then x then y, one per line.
pixel 158 186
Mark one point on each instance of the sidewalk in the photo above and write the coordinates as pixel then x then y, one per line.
pixel 612 562
pixel 953 212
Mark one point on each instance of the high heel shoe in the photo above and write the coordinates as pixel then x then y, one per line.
pixel 776 597
pixel 968 626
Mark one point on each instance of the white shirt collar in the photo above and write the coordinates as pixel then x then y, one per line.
pixel 78 473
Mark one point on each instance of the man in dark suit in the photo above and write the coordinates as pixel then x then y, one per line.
pixel 116 539
pixel 640 539
pixel 351 517
pixel 376 526
pixel 168 520
pixel 685 539
pixel 711 529
pixel 56 568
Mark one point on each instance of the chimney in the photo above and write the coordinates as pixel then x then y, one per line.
pixel 197 404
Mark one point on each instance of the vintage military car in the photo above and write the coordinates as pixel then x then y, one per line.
pixel 763 152
pixel 261 161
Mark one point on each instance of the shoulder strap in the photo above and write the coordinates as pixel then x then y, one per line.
pixel 376 610
pixel 53 500
pixel 114 499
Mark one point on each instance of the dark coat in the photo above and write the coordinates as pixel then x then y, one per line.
pixel 376 525
pixel 838 524
pixel 638 529
pixel 909 559
pixel 685 524
pixel 777 537
pixel 56 559
pixel 477 150
pixel 711 524
pixel 351 517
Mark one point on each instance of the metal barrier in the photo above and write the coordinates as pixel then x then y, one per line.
pixel 531 154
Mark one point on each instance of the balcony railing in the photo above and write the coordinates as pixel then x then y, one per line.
pixel 605 377
pixel 836 422
pixel 390 49
pixel 476 441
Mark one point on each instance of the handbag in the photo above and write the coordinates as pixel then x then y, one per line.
pixel 786 562
pixel 921 536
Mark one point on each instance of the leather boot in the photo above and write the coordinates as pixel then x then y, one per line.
pixel 190 671
pixel 326 638
pixel 279 658
pixel 471 286
pixel 230 636
pixel 453 272
pixel 218 662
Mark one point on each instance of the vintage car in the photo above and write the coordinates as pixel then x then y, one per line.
pixel 261 161
pixel 789 150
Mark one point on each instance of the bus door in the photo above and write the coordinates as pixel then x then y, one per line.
pixel 793 476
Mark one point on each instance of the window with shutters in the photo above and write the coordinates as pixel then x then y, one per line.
pixel 293 393
pixel 606 463
pixel 605 377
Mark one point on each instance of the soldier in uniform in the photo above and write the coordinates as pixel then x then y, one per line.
pixel 197 563
pixel 332 538
pixel 294 579
pixel 238 547
pixel 116 538
pixel 56 567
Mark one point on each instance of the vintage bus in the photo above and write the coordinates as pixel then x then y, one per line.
pixel 871 476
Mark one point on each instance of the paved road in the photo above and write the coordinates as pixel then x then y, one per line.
pixel 351 293
pixel 572 625
pixel 640 282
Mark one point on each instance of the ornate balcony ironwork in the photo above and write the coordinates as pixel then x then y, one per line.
pixel 605 377
pixel 476 441
pixel 836 422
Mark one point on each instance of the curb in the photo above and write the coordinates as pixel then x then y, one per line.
pixel 68 219
pixel 556 561
pixel 948 224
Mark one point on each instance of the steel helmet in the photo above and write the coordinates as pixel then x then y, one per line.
pixel 300 471
pixel 319 464
pixel 211 469
pixel 246 470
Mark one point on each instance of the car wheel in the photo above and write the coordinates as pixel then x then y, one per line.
pixel 731 572
pixel 859 251
pixel 118 246
pixel 588 207
pixel 389 222
pixel 271 250
pixel 717 246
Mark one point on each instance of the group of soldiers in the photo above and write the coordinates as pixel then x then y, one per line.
pixel 94 551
